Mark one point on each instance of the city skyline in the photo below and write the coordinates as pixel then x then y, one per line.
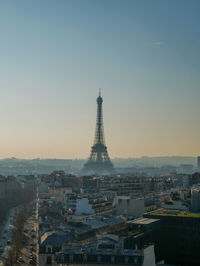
pixel 144 55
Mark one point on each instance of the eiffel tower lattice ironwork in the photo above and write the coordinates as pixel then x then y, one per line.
pixel 99 161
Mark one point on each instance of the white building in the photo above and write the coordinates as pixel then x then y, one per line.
pixel 83 207
pixel 128 206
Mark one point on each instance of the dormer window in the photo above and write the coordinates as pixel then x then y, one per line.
pixel 49 249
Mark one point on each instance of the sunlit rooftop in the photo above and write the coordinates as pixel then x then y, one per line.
pixel 180 213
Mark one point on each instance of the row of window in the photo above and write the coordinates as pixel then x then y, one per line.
pixel 107 259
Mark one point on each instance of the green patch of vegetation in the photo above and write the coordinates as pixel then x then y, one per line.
pixel 177 213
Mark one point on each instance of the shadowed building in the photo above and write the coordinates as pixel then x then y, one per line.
pixel 106 256
pixel 99 161
pixel 177 237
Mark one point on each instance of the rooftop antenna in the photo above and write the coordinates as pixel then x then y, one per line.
pixel 100 92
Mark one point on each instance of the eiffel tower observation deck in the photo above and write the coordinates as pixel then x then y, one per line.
pixel 99 161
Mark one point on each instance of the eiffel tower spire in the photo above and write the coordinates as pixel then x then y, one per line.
pixel 99 161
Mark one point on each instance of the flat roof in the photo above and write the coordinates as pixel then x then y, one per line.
pixel 177 213
pixel 143 221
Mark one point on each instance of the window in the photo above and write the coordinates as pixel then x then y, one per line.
pixel 49 250
pixel 85 258
pixel 49 261
pixel 98 258
pixel 71 258
pixel 126 259
pixel 112 259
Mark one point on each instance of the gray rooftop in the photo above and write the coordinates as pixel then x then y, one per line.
pixel 143 221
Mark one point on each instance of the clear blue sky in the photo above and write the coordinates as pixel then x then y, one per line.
pixel 145 55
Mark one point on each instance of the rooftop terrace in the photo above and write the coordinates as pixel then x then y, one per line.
pixel 177 213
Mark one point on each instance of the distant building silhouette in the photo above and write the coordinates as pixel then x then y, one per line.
pixel 198 162
pixel 99 161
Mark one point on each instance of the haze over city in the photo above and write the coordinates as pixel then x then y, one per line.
pixel 143 54
pixel 99 147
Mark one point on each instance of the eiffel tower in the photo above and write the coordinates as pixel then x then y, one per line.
pixel 99 161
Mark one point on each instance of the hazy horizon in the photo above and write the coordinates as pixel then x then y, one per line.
pixel 145 55
pixel 113 158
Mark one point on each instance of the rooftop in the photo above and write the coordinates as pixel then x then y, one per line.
pixel 177 213
pixel 56 239
pixel 143 221
pixel 100 222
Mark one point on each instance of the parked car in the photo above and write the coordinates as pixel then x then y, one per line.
pixel 32 262
pixel 21 260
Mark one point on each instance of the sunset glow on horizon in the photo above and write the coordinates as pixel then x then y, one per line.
pixel 145 55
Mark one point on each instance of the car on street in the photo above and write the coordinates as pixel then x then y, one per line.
pixel 21 260
pixel 32 262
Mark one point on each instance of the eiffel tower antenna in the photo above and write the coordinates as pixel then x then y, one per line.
pixel 99 161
